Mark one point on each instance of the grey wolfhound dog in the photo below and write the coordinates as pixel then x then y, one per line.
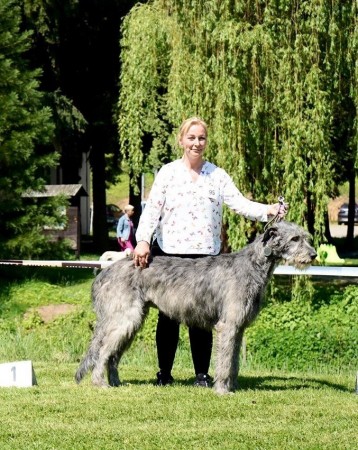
pixel 223 291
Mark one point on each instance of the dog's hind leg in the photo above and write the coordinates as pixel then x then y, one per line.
pixel 120 332
pixel 227 363
pixel 114 359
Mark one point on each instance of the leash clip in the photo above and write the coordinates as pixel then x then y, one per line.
pixel 276 218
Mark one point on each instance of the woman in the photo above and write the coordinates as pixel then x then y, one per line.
pixel 125 231
pixel 184 209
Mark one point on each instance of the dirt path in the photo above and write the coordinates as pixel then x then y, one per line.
pixel 50 312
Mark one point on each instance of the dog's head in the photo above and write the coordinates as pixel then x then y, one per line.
pixel 288 242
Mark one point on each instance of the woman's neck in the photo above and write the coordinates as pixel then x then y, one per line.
pixel 193 164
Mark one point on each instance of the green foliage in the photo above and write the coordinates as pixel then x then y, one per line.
pixel 304 333
pixel 142 108
pixel 25 129
pixel 27 238
pixel 70 122
pixel 32 320
pixel 271 78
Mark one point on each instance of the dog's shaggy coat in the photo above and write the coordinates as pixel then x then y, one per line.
pixel 222 291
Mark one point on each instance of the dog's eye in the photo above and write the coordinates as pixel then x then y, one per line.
pixel 295 238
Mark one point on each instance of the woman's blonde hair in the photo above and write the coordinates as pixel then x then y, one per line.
pixel 184 127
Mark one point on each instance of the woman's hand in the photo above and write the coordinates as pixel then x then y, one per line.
pixel 141 254
pixel 278 209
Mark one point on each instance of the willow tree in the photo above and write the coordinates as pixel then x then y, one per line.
pixel 269 77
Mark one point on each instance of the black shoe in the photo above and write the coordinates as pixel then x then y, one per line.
pixel 164 379
pixel 203 380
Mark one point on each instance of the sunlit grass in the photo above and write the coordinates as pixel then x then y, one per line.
pixel 271 410
pixel 118 193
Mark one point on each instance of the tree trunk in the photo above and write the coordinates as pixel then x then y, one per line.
pixel 327 232
pixel 135 198
pixel 351 208
pixel 100 228
pixel 310 214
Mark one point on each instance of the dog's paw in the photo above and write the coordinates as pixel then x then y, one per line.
pixel 222 389
pixel 115 382
pixel 100 383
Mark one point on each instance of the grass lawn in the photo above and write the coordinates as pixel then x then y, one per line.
pixel 118 193
pixel 271 410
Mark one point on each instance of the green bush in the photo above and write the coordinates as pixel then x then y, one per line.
pixel 301 334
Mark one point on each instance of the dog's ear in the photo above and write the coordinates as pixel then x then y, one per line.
pixel 269 233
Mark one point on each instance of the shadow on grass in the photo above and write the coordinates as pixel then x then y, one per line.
pixel 282 383
pixel 55 275
pixel 264 383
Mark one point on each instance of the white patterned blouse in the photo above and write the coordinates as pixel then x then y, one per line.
pixel 186 215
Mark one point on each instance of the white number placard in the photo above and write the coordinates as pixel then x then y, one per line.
pixel 17 374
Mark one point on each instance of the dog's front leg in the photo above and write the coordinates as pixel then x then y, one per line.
pixel 227 357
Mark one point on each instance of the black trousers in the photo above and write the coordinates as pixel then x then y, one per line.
pixel 167 335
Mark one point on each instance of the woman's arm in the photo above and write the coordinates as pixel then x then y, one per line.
pixel 150 218
pixel 248 208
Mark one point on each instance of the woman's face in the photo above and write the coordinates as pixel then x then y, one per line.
pixel 194 142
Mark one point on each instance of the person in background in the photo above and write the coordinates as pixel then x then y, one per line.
pixel 184 210
pixel 125 230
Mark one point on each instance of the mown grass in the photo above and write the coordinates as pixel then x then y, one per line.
pixel 118 193
pixel 271 410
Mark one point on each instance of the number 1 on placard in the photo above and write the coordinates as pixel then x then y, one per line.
pixel 13 370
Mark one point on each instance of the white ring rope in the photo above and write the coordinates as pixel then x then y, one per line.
pixel 330 271
pixel 72 264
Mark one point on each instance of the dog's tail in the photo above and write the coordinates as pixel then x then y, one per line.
pixel 88 363
pixel 85 366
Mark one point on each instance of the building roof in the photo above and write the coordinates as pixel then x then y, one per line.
pixel 51 190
